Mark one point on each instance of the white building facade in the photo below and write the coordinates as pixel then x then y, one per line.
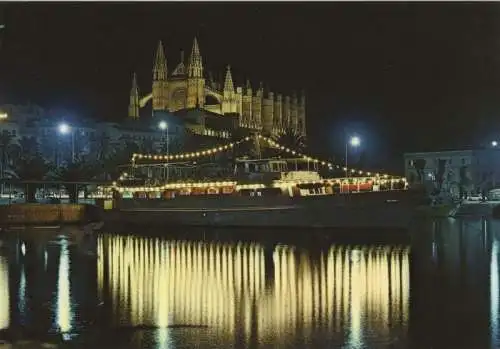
pixel 455 172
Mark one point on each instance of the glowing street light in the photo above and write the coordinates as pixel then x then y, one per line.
pixel 64 129
pixel 355 141
pixel 494 143
pixel 3 116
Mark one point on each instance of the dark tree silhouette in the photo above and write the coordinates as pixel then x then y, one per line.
pixel 292 139
pixel 7 143
pixel 78 171
pixel 31 168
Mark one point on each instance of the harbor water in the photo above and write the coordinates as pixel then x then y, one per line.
pixel 435 287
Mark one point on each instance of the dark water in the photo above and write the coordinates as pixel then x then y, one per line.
pixel 437 289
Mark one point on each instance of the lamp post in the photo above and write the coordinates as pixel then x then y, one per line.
pixel 353 141
pixel 164 127
pixel 65 129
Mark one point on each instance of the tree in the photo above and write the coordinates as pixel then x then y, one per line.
pixel 78 171
pixel 31 168
pixel 292 139
pixel 7 141
pixel 174 146
pixel 111 165
pixel 147 146
pixel 101 144
pixel 26 147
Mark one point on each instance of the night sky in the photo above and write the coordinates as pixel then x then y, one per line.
pixel 404 76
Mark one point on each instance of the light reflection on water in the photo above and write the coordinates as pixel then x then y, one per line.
pixel 225 287
pixel 4 294
pixel 258 294
pixel 64 314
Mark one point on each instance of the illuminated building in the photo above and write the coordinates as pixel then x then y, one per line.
pixel 187 87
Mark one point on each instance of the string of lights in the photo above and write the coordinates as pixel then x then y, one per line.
pixel 270 141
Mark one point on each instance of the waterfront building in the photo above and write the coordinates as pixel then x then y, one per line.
pixel 196 110
pixel 84 137
pixel 455 171
pixel 187 87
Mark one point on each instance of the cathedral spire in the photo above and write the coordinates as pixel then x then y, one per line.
pixel 228 82
pixel 160 80
pixel 133 106
pixel 135 88
pixel 160 64
pixel 195 68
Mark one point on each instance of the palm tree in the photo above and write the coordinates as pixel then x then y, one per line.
pixel 31 168
pixel 7 141
pixel 146 146
pixel 110 165
pixel 26 147
pixel 101 144
pixel 29 146
pixel 78 171
pixel 292 139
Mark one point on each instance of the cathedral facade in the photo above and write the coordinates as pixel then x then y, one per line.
pixel 187 87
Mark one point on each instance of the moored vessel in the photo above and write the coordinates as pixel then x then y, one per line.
pixel 268 193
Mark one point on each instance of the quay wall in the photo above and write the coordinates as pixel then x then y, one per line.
pixel 30 214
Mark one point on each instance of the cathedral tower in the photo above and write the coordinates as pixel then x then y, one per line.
pixel 160 82
pixel 196 82
pixel 133 105
pixel 268 114
pixel 229 102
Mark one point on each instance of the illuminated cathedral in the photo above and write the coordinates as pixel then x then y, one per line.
pixel 186 87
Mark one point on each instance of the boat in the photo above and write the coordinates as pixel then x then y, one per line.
pixel 268 193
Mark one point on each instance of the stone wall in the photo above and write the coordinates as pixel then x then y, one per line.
pixel 45 213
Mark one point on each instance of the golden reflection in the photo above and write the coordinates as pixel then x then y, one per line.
pixel 354 288
pixel 4 294
pixel 63 291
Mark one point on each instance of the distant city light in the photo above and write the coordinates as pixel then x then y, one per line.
pixel 3 116
pixel 355 141
pixel 494 143
pixel 64 128
pixel 162 125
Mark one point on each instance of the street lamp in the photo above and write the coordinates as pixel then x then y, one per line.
pixel 163 126
pixel 353 141
pixel 494 143
pixel 64 129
